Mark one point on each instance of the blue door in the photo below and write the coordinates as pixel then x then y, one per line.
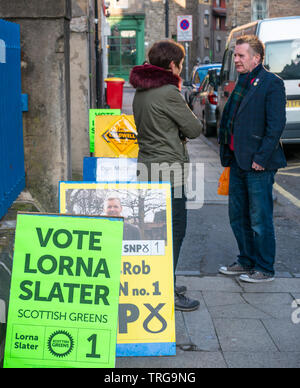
pixel 12 171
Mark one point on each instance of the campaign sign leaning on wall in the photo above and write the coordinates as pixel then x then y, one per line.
pixel 146 310
pixel 63 309
pixel 93 113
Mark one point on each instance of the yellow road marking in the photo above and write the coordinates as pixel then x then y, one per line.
pixel 287 195
pixel 289 173
pixel 291 167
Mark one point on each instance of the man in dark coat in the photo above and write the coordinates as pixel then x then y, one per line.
pixel 251 127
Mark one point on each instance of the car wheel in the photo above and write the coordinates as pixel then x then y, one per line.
pixel 208 130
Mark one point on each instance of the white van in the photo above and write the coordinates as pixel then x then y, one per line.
pixel 281 37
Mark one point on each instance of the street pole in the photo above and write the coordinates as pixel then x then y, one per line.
pixel 167 18
pixel 186 61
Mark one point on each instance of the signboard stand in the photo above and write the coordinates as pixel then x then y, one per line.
pixel 146 304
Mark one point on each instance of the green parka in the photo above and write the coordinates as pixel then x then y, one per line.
pixel 163 119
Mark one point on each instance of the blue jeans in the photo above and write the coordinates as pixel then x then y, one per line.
pixel 251 217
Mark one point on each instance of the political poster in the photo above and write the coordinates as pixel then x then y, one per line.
pixel 63 309
pixel 116 137
pixel 146 304
pixel 93 113
pixel 109 169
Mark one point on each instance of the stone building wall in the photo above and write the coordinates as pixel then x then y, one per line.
pixel 154 11
pixel 45 51
pixel 240 11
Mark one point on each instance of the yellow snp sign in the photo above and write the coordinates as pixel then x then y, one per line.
pixel 115 136
pixel 146 304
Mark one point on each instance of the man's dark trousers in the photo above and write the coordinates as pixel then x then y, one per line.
pixel 179 221
pixel 251 217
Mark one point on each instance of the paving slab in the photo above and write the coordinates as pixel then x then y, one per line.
pixel 200 327
pixel 193 359
pixel 284 333
pixel 279 285
pixel 240 310
pixel 268 298
pixel 208 283
pixel 274 360
pixel 182 338
pixel 220 298
pixel 243 335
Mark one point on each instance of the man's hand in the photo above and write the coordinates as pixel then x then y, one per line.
pixel 257 167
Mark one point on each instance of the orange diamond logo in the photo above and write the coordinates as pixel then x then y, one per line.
pixel 121 136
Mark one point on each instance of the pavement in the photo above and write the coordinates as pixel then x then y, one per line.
pixel 238 325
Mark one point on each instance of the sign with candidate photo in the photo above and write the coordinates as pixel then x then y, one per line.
pixel 146 305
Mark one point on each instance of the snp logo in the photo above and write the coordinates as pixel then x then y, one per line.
pixel 2 51
pixel 296 313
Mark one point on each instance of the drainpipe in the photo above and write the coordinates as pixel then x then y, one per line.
pixel 167 17
pixel 98 62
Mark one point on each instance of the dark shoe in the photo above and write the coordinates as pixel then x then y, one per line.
pixel 182 303
pixel 234 269
pixel 257 277
pixel 180 290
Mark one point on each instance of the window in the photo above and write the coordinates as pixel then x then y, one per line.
pixel 218 45
pixel 206 43
pixel 218 3
pixel 218 23
pixel 206 20
pixel 259 9
pixel 283 58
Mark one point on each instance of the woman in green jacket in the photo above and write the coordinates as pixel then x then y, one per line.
pixel 164 122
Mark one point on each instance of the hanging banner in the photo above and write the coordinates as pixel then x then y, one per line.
pixel 63 309
pixel 116 137
pixel 93 113
pixel 146 305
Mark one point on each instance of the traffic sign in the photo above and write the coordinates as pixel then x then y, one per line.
pixel 185 28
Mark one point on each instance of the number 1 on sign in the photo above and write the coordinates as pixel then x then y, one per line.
pixel 93 339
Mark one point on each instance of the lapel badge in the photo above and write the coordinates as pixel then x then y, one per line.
pixel 256 82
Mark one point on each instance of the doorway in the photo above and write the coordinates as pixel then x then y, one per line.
pixel 126 45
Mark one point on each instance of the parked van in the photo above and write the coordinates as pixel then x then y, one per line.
pixel 281 37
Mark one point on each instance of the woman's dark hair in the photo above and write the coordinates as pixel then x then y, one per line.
pixel 164 52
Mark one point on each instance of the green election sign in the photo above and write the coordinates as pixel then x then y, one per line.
pixel 63 309
pixel 92 115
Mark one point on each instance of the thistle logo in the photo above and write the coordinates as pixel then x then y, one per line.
pixel 60 343
pixel 121 136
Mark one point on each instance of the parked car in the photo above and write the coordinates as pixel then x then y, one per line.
pixel 281 37
pixel 205 102
pixel 198 75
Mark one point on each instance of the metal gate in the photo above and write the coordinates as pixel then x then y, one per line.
pixel 12 171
